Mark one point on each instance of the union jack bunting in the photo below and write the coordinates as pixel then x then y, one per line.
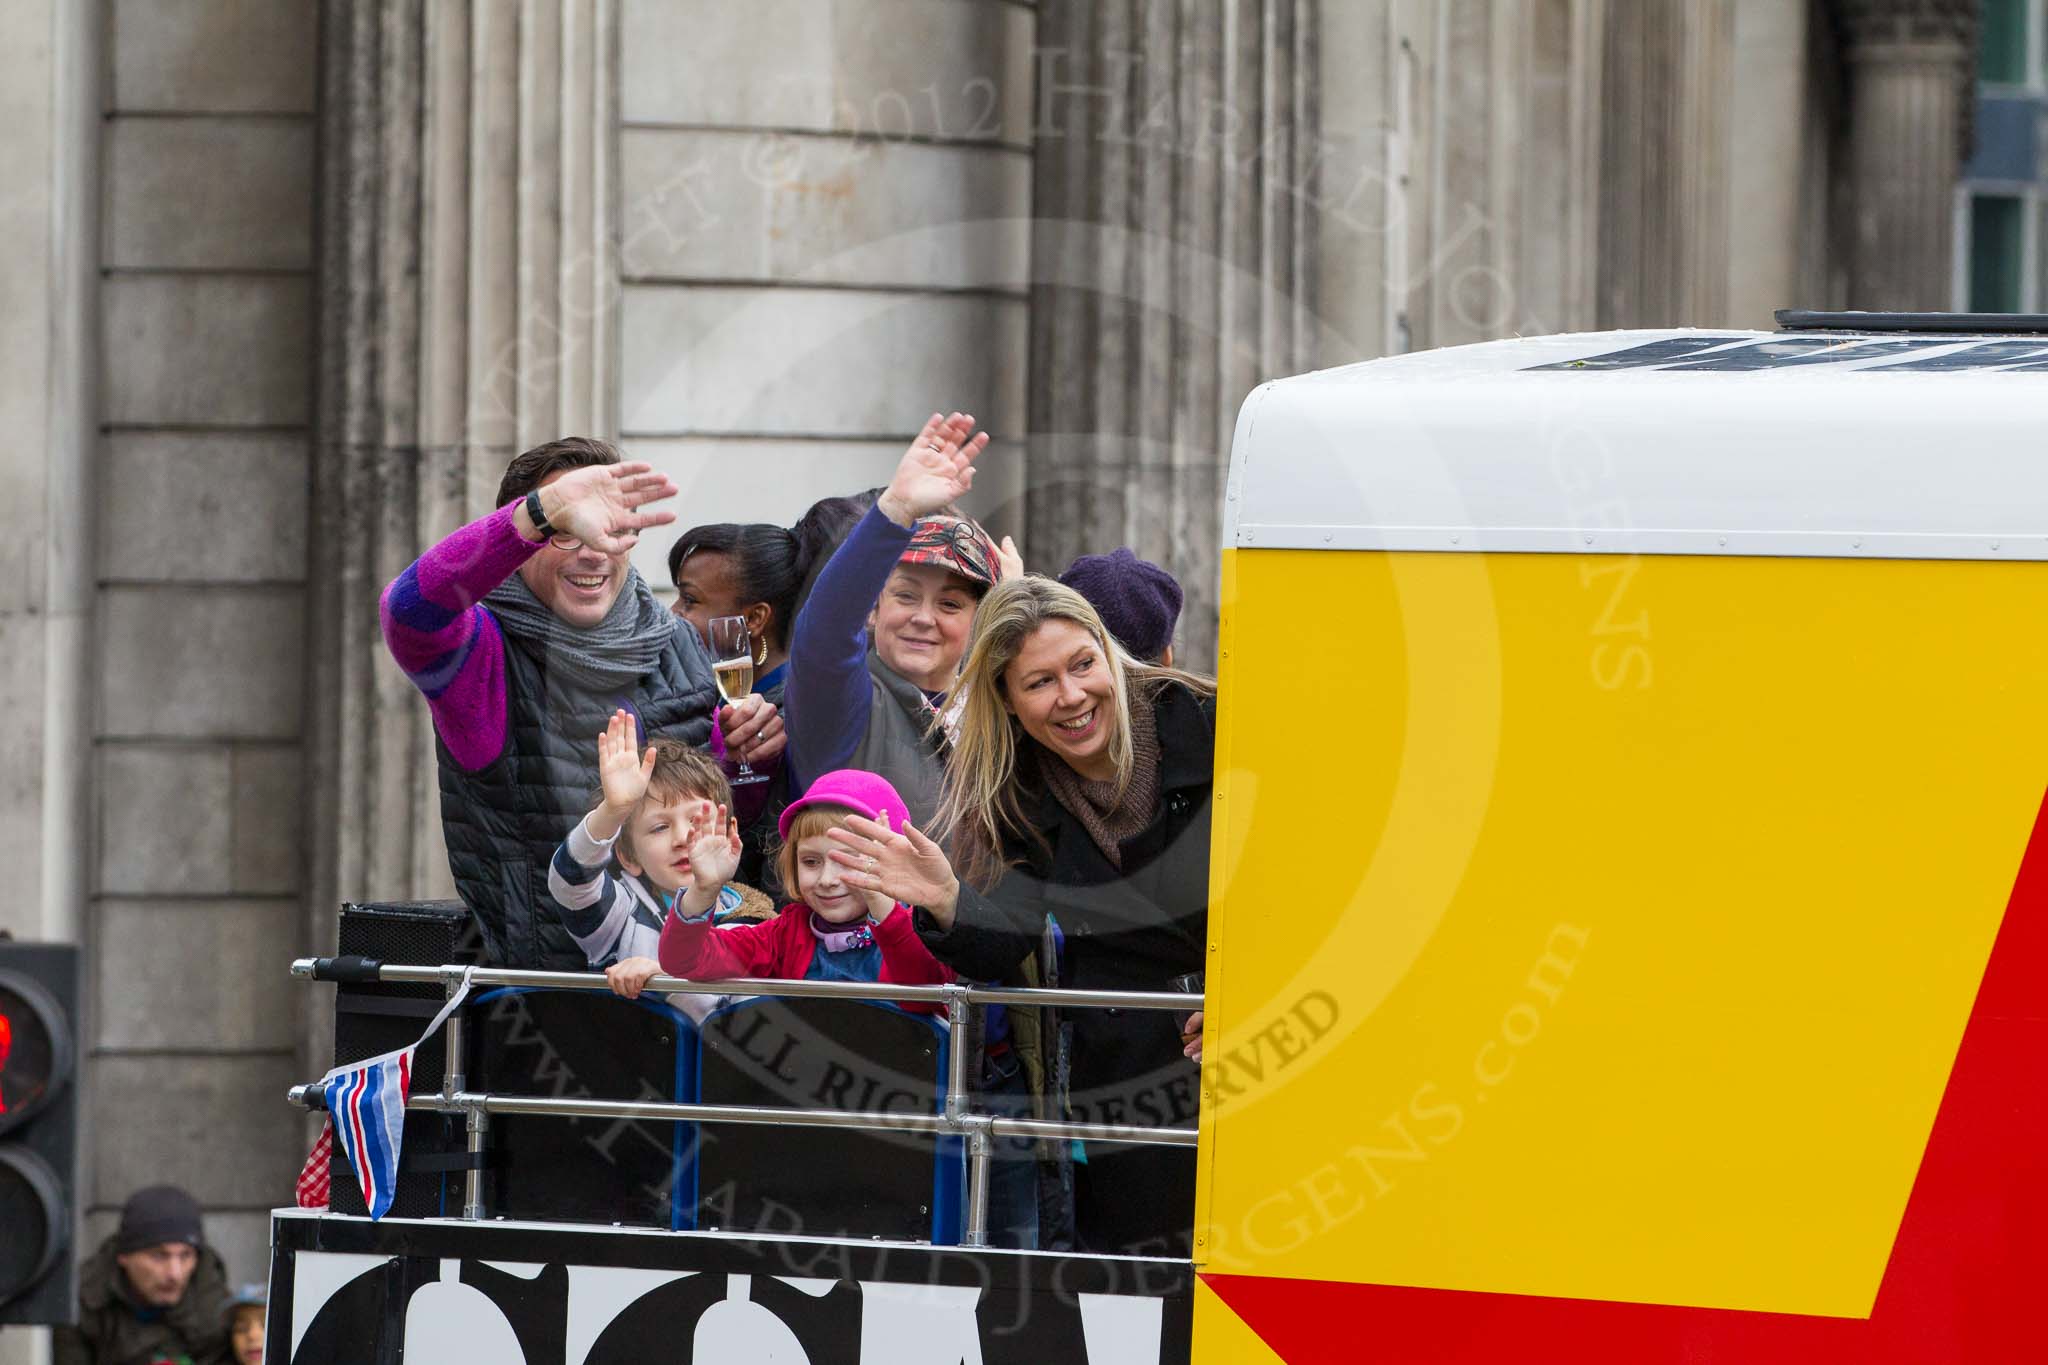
pixel 366 1106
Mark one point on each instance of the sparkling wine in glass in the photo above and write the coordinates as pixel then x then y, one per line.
pixel 732 664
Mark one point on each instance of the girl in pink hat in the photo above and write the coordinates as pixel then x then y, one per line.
pixel 831 932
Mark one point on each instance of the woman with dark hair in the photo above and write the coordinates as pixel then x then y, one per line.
pixel 826 524
pixel 761 572
pixel 751 571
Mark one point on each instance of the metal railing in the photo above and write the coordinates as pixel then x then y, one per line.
pixel 979 1131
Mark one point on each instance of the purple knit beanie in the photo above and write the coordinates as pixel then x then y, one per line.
pixel 1137 600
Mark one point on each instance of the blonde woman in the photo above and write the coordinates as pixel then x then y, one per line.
pixel 1078 788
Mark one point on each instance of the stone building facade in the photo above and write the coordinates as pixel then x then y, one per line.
pixel 2001 253
pixel 289 280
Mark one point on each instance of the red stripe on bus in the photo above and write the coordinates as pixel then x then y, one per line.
pixel 1965 1272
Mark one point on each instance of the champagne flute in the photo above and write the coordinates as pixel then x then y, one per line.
pixel 732 664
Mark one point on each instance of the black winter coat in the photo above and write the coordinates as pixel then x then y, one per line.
pixel 503 821
pixel 109 1332
pixel 1132 930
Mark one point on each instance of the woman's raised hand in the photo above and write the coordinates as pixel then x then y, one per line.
pixel 937 468
pixel 880 905
pixel 905 867
pixel 753 729
pixel 602 504
pixel 715 852
pixel 622 770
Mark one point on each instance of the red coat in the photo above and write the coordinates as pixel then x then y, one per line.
pixel 785 946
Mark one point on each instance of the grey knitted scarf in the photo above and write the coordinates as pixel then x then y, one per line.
pixel 617 652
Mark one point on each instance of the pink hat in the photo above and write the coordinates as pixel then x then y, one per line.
pixel 862 792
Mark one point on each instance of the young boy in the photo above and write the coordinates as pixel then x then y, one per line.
pixel 652 809
pixel 245 1314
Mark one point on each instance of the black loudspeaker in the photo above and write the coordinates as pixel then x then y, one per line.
pixel 816 1181
pixel 585 1044
pixel 372 1019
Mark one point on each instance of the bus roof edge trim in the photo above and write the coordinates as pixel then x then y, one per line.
pixel 1563 540
pixel 1673 442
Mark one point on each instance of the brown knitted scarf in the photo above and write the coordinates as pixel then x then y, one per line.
pixel 1108 821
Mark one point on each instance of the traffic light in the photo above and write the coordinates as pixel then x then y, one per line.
pixel 38 1132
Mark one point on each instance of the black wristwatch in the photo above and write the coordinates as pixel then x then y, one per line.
pixel 540 520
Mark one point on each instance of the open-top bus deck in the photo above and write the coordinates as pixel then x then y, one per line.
pixel 1627 925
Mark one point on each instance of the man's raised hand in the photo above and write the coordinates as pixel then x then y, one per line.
pixel 606 505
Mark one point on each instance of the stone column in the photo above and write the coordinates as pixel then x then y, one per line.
pixel 49 302
pixel 465 313
pixel 50 120
pixel 1172 269
pixel 1910 66
pixel 1665 128
pixel 1492 174
pixel 1771 158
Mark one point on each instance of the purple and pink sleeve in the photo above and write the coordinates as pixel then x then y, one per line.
pixel 447 641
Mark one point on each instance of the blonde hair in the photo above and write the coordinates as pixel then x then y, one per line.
pixel 679 770
pixel 807 823
pixel 979 808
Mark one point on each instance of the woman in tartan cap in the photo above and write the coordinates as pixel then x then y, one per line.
pixel 878 641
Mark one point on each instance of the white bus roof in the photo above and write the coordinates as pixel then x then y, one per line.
pixel 1658 442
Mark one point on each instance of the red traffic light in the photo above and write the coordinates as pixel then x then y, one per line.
pixel 38 1132
pixel 35 1049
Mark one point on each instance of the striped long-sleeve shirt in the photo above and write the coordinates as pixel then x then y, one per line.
pixel 613 917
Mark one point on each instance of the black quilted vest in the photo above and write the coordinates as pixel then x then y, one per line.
pixel 504 821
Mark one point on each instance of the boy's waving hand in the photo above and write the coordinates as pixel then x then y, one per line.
pixel 622 771
pixel 715 853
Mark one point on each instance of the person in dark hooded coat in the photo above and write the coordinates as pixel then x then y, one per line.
pixel 153 1294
